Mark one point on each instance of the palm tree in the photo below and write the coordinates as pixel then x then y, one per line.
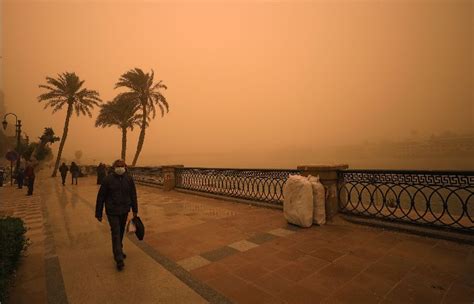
pixel 64 90
pixel 121 113
pixel 147 94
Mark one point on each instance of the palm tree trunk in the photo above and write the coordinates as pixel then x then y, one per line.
pixel 124 142
pixel 141 138
pixel 63 139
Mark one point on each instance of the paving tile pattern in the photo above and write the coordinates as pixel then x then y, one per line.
pixel 74 255
pixel 243 245
pixel 219 254
pixel 274 262
pixel 29 285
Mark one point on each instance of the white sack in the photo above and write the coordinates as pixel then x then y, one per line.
pixel 319 200
pixel 298 201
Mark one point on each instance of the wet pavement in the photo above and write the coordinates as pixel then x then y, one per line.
pixel 200 249
pixel 78 266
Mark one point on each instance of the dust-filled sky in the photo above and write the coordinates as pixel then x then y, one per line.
pixel 250 83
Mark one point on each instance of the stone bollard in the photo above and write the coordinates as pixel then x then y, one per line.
pixel 169 176
pixel 328 177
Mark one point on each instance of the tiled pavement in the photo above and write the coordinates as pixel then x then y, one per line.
pixel 30 285
pixel 250 255
pixel 74 262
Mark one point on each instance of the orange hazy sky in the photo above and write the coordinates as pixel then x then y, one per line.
pixel 247 76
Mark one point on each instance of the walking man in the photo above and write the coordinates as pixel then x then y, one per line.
pixel 100 173
pixel 20 177
pixel 74 172
pixel 118 194
pixel 63 169
pixel 30 176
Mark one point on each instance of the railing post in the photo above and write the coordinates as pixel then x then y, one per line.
pixel 328 176
pixel 169 176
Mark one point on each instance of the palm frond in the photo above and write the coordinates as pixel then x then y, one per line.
pixel 56 104
pixel 159 85
pixel 141 88
pixel 57 83
pixel 131 79
pixel 50 88
pixel 121 112
pixel 66 89
pixel 151 108
pixel 129 96
pixel 58 107
pixel 49 95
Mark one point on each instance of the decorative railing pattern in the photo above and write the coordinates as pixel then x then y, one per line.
pixel 148 175
pixel 263 185
pixel 435 198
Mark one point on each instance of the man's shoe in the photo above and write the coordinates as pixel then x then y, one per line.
pixel 120 265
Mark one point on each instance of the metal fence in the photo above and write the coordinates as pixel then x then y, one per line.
pixel 434 198
pixel 152 176
pixel 262 185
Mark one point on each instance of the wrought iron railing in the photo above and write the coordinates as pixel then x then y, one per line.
pixel 263 185
pixel 147 175
pixel 435 198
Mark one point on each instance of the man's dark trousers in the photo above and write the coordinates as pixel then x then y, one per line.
pixel 31 183
pixel 63 178
pixel 117 228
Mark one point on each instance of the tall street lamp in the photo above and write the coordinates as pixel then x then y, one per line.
pixel 18 135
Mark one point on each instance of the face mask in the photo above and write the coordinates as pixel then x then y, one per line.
pixel 120 170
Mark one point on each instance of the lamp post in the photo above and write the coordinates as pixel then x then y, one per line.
pixel 18 135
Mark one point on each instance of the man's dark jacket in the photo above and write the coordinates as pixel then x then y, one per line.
pixel 63 169
pixel 29 172
pixel 118 193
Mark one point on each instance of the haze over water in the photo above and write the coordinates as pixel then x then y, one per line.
pixel 376 84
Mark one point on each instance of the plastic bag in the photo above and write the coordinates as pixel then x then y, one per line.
pixel 131 228
pixel 140 228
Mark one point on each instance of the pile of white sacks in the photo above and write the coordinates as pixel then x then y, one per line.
pixel 304 201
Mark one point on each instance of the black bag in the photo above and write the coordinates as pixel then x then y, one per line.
pixel 140 228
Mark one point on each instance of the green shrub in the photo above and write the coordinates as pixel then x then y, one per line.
pixel 12 243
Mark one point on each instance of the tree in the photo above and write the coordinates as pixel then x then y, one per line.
pixel 147 94
pixel 40 150
pixel 121 113
pixel 48 137
pixel 29 150
pixel 43 151
pixel 66 90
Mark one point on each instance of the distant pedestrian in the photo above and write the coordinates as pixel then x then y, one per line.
pixel 101 173
pixel 20 177
pixel 63 169
pixel 30 176
pixel 118 194
pixel 74 172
